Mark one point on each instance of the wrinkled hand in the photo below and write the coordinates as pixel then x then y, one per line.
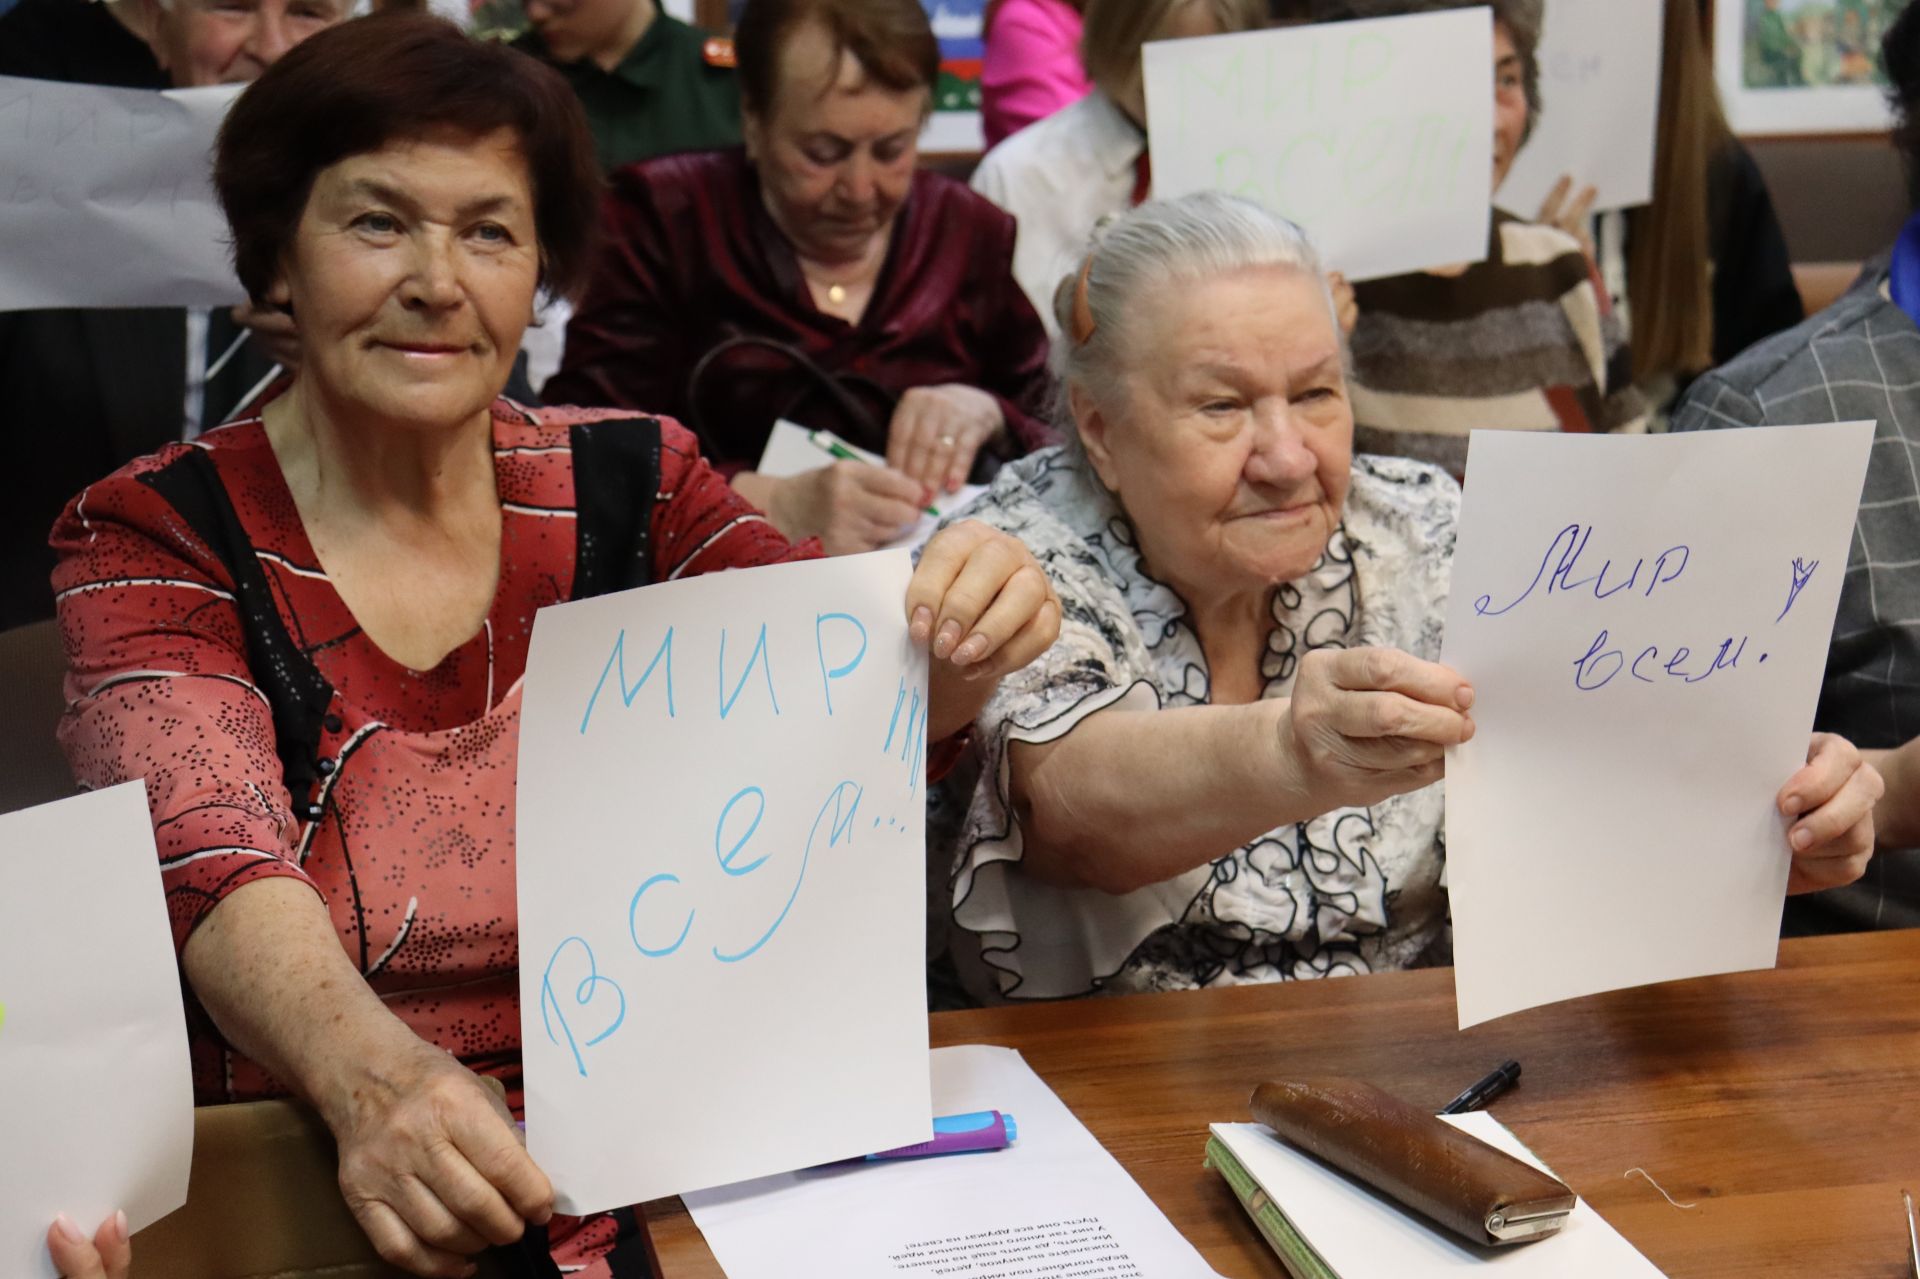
pixel 273 328
pixel 937 430
pixel 984 607
pixel 431 1166
pixel 1367 723
pixel 107 1256
pixel 850 506
pixel 1346 307
pixel 1830 803
pixel 1570 213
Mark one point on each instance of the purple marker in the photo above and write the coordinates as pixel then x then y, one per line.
pixel 957 1134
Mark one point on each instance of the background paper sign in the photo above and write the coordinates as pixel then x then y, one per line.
pixel 1600 99
pixel 1645 621
pixel 93 1040
pixel 1376 136
pixel 721 868
pixel 106 197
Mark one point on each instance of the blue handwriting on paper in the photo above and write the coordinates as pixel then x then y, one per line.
pixel 583 1003
pixel 1802 574
pixel 912 737
pixel 834 634
pixel 650 908
pixel 1562 561
pixel 583 995
pixel 1561 572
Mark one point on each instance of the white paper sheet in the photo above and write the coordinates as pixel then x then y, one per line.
pixel 106 197
pixel 1645 622
pixel 1054 1203
pixel 93 1039
pixel 1600 102
pixel 791 450
pixel 1364 1235
pixel 722 840
pixel 1376 136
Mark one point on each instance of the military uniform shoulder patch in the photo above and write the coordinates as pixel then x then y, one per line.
pixel 718 52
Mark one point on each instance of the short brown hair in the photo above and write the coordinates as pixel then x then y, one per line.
pixel 1116 29
pixel 891 40
pixel 359 86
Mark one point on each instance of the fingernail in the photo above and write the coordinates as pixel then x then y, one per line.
pixel 922 624
pixel 948 637
pixel 1802 838
pixel 1791 806
pixel 120 1231
pixel 1464 697
pixel 66 1227
pixel 970 652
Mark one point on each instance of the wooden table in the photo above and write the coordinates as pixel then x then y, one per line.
pixel 1785 1104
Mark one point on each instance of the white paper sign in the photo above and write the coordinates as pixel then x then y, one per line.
pixel 1600 104
pixel 1645 622
pixel 93 1038
pixel 1055 1203
pixel 1376 136
pixel 721 847
pixel 106 197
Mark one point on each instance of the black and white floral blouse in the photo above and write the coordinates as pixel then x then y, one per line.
pixel 1354 890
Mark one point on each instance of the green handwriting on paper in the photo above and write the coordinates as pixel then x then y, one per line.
pixel 3 1016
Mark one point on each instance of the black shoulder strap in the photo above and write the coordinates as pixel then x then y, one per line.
pixel 294 688
pixel 616 480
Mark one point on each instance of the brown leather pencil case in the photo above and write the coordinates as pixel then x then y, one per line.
pixel 1481 1194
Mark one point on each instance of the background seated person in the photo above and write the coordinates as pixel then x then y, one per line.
pixel 87 389
pixel 650 84
pixel 1521 341
pixel 1701 272
pixel 1031 67
pixel 1060 176
pixel 1223 770
pixel 1860 360
pixel 307 634
pixel 819 277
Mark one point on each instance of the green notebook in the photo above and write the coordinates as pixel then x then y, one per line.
pixel 1296 1254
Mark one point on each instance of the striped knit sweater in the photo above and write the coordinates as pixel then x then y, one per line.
pixel 1523 341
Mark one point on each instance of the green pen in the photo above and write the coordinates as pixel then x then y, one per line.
pixel 847 453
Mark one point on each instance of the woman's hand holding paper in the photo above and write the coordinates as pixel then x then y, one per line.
pixel 1830 805
pixel 981 603
pixel 1367 723
pixel 108 1255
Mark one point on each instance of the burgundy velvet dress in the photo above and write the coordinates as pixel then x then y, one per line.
pixel 693 262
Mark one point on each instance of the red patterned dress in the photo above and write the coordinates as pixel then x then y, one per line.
pixel 210 655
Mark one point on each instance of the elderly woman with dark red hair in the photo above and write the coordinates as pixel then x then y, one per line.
pixel 307 631
pixel 820 276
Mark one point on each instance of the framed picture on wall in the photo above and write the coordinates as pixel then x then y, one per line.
pixel 1802 66
pixel 955 125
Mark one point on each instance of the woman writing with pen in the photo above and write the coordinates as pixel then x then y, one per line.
pixel 819 276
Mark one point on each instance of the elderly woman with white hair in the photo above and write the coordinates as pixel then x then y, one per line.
pixel 1222 771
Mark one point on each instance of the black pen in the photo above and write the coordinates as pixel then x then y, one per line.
pixel 1485 1090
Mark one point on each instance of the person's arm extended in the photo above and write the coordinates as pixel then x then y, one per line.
pixel 1896 818
pixel 429 1161
pixel 1126 799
